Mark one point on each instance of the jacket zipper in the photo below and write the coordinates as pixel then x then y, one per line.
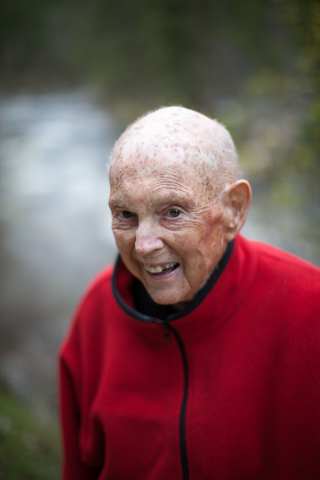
pixel 182 426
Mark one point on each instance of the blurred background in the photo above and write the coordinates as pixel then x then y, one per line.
pixel 73 74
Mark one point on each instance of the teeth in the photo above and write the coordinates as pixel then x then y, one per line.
pixel 158 268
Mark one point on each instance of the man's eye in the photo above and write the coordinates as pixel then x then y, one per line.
pixel 173 212
pixel 125 214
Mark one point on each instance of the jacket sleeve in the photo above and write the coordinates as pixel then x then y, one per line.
pixel 73 467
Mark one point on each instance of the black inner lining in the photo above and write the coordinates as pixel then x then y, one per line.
pixel 145 305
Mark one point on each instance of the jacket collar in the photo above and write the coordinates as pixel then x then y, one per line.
pixel 222 295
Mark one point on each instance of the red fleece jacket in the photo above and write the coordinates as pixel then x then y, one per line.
pixel 235 394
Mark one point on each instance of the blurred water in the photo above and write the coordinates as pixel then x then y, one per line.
pixel 55 228
pixel 55 225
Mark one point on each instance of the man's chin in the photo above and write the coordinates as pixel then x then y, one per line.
pixel 163 298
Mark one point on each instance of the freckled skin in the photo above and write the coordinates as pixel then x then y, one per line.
pixel 152 237
pixel 159 167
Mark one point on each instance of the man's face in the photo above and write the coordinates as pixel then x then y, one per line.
pixel 168 224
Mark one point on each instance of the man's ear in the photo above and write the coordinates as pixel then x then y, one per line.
pixel 237 202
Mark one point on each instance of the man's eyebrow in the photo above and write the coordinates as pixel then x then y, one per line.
pixel 115 202
pixel 159 196
pixel 167 197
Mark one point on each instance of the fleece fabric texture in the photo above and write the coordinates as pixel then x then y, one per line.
pixel 249 381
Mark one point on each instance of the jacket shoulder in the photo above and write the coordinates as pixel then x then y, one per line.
pixel 98 287
pixel 284 260
pixel 288 275
pixel 94 307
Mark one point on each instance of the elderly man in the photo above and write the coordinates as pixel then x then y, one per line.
pixel 197 355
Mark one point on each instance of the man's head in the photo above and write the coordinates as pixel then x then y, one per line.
pixel 176 200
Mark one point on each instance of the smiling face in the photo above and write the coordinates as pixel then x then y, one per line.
pixel 167 234
pixel 175 201
pixel 169 218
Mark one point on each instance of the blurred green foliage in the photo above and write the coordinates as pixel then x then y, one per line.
pixel 29 448
pixel 162 49
pixel 252 64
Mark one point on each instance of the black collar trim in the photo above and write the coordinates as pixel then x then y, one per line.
pixel 179 313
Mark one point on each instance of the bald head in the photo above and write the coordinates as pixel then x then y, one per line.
pixel 175 201
pixel 185 135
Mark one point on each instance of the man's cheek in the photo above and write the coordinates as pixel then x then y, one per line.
pixel 123 239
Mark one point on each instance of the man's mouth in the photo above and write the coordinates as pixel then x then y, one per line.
pixel 161 269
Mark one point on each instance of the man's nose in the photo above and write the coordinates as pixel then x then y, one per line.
pixel 147 238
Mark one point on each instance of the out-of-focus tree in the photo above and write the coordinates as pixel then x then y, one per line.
pixel 253 64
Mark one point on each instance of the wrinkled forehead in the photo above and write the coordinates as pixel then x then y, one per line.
pixel 158 155
pixel 161 166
